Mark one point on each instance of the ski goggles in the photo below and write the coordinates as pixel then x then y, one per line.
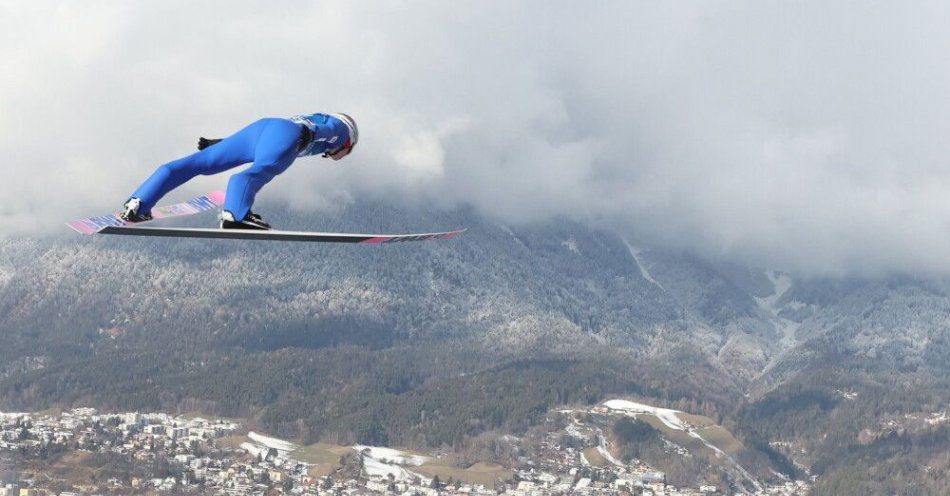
pixel 340 152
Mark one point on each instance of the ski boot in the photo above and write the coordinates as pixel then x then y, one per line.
pixel 130 211
pixel 250 221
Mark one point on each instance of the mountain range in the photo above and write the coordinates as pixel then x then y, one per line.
pixel 431 343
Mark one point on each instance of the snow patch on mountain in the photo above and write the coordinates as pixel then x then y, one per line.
pixel 374 467
pixel 255 449
pixel 571 245
pixel 781 282
pixel 6 274
pixel 769 304
pixel 282 447
pixel 380 461
pixel 391 455
pixel 937 418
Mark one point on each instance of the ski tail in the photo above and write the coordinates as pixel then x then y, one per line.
pixel 92 225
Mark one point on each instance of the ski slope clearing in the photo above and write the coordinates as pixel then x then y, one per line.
pixel 671 419
pixel 667 416
pixel 635 253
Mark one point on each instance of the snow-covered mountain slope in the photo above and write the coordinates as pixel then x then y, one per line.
pixel 690 330
pixel 553 288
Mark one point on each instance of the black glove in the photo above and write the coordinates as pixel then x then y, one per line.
pixel 205 142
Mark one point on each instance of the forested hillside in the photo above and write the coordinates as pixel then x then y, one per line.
pixel 429 343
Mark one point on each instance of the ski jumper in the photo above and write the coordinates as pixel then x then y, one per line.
pixel 271 143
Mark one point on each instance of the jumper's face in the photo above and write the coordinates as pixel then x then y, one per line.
pixel 342 151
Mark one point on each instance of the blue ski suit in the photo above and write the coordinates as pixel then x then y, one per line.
pixel 271 143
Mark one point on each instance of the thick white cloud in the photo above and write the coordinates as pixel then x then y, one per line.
pixel 803 135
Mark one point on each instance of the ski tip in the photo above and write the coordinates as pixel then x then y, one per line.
pixel 452 234
pixel 412 237
pixel 203 203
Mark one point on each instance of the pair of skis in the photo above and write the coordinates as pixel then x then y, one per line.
pixel 112 224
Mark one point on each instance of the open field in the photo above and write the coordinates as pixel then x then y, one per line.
pixel 713 433
pixel 719 437
pixel 324 457
pixel 321 453
pixel 595 458
pixel 479 473
pixel 233 441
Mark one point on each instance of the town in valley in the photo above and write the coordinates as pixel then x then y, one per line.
pixel 82 451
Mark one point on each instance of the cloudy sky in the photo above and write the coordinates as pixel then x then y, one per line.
pixel 801 135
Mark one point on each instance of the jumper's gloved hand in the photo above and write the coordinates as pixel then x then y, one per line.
pixel 205 142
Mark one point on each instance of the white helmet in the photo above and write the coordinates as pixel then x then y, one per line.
pixel 350 142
